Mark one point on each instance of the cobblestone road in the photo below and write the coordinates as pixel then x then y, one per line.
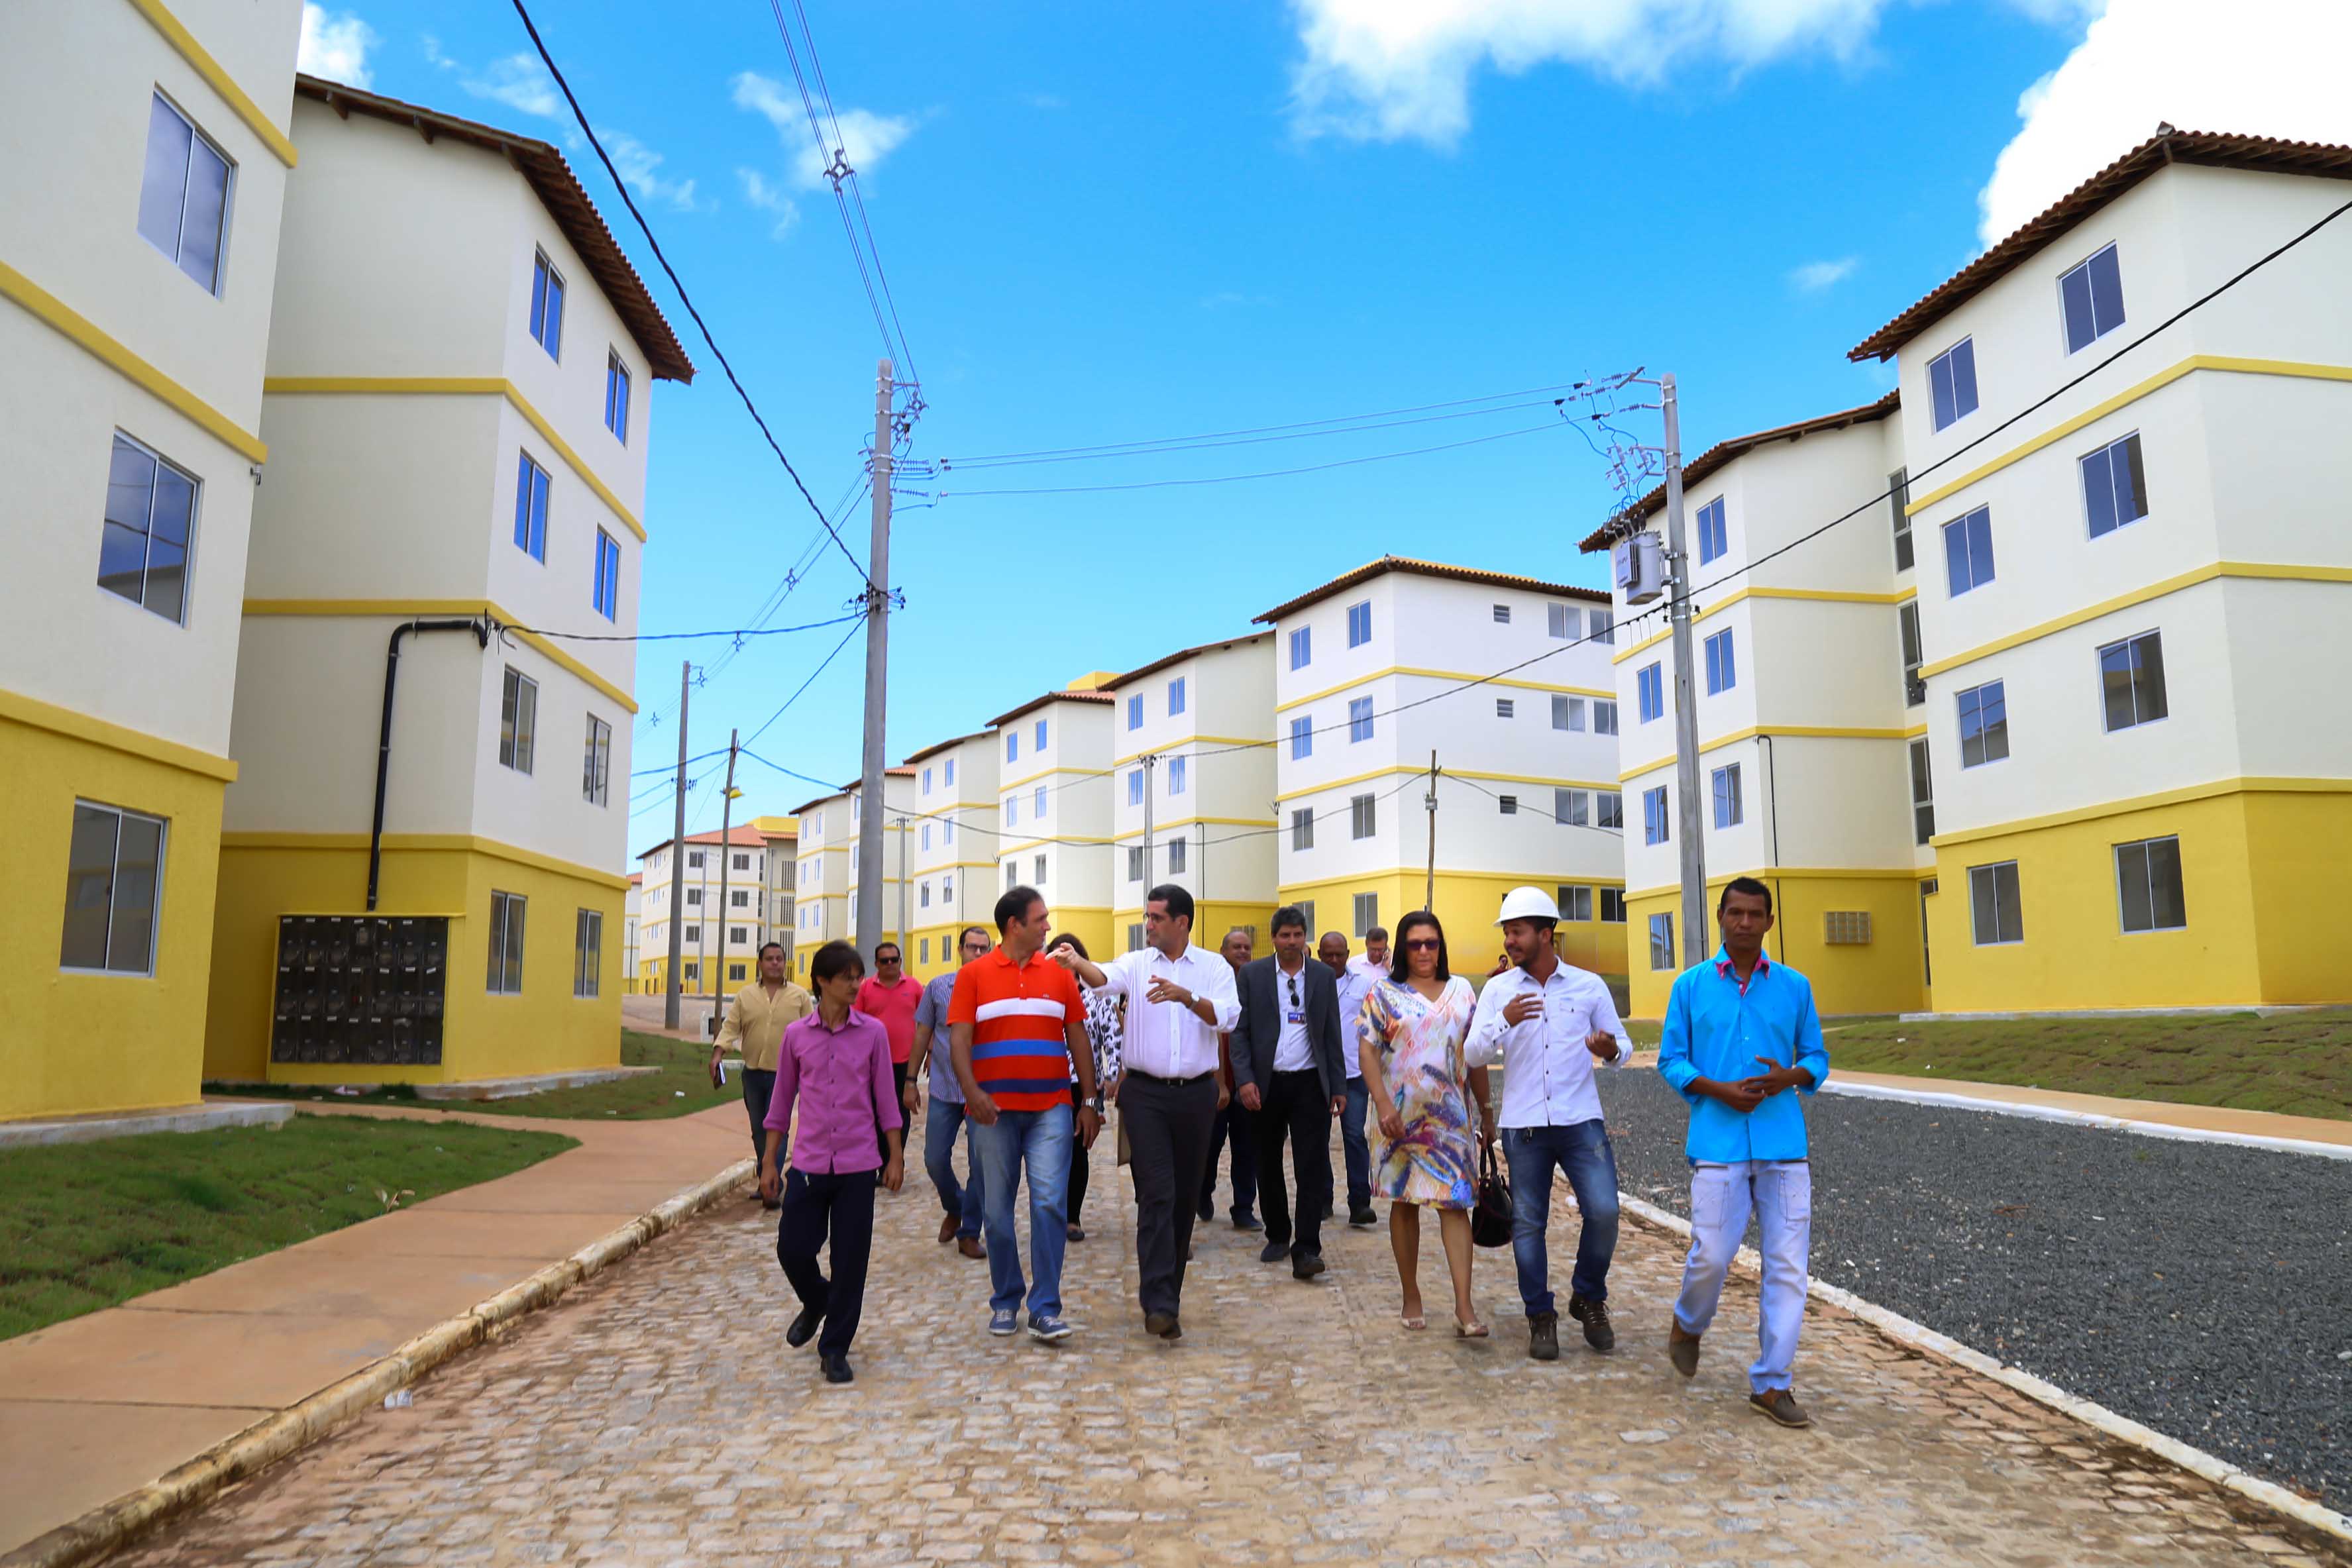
pixel 655 1417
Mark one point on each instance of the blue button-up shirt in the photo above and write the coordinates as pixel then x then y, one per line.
pixel 1717 1029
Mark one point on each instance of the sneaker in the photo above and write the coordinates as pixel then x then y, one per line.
pixel 837 1368
pixel 970 1246
pixel 1682 1349
pixel 1360 1217
pixel 1307 1265
pixel 1004 1324
pixel 1049 1328
pixel 1782 1406
pixel 1543 1335
pixel 1274 1252
pixel 803 1327
pixel 1245 1220
pixel 1594 1315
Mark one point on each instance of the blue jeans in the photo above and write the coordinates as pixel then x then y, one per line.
pixel 1781 1192
pixel 1582 1154
pixel 966 1202
pixel 1040 1140
pixel 1358 1152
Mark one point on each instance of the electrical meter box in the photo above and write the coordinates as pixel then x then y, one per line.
pixel 360 989
pixel 1641 567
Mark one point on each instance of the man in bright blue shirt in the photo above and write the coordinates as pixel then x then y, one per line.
pixel 1726 1018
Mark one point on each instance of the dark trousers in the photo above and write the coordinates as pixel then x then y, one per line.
pixel 898 1088
pixel 759 1088
pixel 1294 1106
pixel 1357 1151
pixel 1077 1161
pixel 842 1204
pixel 1168 1142
pixel 1241 1126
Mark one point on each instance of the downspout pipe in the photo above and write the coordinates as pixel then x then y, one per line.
pixel 481 631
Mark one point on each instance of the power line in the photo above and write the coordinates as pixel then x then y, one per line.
pixel 805 685
pixel 960 464
pixel 683 298
pixel 1265 474
pixel 737 633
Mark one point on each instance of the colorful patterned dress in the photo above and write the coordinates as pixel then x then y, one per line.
pixel 1420 1044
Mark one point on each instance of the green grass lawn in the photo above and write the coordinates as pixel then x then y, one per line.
pixel 680 1088
pixel 85 1225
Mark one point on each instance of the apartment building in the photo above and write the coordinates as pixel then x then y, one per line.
pixel 432 760
pixel 1194 762
pixel 2130 599
pixel 1054 815
pixel 633 910
pixel 956 808
pixel 1374 679
pixel 780 872
pixel 722 899
pixel 1811 731
pixel 138 255
pixel 825 883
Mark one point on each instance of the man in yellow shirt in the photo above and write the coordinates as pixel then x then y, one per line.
pixel 755 1028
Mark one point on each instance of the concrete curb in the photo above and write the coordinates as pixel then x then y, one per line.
pixel 189 1486
pixel 2038 1113
pixel 1918 1336
pixel 204 1117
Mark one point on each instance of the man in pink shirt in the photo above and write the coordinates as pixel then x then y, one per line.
pixel 833 1067
pixel 892 995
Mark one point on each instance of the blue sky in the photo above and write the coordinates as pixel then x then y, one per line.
pixel 1114 223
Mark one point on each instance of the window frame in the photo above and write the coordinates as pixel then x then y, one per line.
pixel 1567 713
pixel 1360 719
pixel 1367 913
pixel 1729 806
pixel 1898 494
pixel 1608 810
pixel 1605 709
pixel 1302 646
pixel 1134 711
pixel 158 463
pixel 617 370
pixel 1302 829
pixel 1913 650
pixel 1951 373
pixel 1363 817
pixel 1359 623
pixel 1921 763
pixel 1968 535
pixel 1991 871
pixel 547 283
pixel 1507 708
pixel 1611 899
pixel 1714 531
pixel 1657 821
pixel 518 721
pixel 1722 664
pixel 2136 680
pixel 534 498
pixel 177 255
pixel 2086 270
pixel 1302 738
pixel 1661 942
pixel 587 954
pixel 2146 848
pixel 1178 775
pixel 2133 466
pixel 605 595
pixel 113 886
pixel 1601 626
pixel 509 926
pixel 1985 757
pixel 1571 808
pixel 596 764
pixel 1650 692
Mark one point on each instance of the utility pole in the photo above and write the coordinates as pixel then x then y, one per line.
pixel 677 854
pixel 726 862
pixel 1151 763
pixel 878 680
pixel 902 889
pixel 1688 829
pixel 1429 802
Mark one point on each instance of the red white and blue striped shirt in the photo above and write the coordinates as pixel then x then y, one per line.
pixel 1020 1015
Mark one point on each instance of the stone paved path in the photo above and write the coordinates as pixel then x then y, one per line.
pixel 655 1417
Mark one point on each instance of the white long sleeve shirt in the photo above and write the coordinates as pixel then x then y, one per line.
pixel 1546 1070
pixel 1162 1039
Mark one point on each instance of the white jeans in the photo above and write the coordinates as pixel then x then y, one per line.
pixel 1781 1194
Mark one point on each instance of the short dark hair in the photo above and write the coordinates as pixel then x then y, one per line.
pixel 835 958
pixel 967 931
pixel 1749 885
pixel 1398 965
pixel 1015 904
pixel 1179 902
pixel 1288 916
pixel 1069 939
pixel 893 947
pixel 1377 933
pixel 766 947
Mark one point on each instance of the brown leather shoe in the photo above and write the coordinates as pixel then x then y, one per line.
pixel 948 1224
pixel 1782 1406
pixel 1682 1349
pixel 970 1246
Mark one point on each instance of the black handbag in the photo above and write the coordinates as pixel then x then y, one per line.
pixel 1490 1219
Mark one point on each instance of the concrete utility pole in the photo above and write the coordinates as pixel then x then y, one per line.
pixel 902 888
pixel 1429 802
pixel 1689 828
pixel 678 855
pixel 1151 762
pixel 726 861
pixel 878 680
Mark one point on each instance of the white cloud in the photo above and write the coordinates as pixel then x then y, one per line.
pixel 1816 275
pixel 638 164
pixel 434 57
pixel 767 198
pixel 866 138
pixel 2262 68
pixel 335 46
pixel 519 81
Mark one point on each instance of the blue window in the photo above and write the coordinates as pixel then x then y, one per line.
pixel 183 193
pixel 1302 647
pixel 1037 804
pixel 1650 692
pixel 1135 711
pixel 1713 537
pixel 1360 719
pixel 1134 787
pixel 2092 298
pixel 2115 488
pixel 1359 623
pixel 616 397
pixel 1175 697
pixel 1984 725
pixel 1012 809
pixel 1968 551
pixel 608 576
pixel 1725 781
pixel 1952 383
pixel 547 305
pixel 949 777
pixel 1012 746
pixel 1302 738
pixel 1722 674
pixel 530 508
pixel 1041 737
pixel 1662 941
pixel 1654 815
pixel 1176 775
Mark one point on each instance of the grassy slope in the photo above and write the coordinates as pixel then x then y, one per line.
pixel 680 1088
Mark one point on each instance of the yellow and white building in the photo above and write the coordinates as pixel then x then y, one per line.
pixel 460 368
pixel 825 883
pixel 1371 683
pixel 722 892
pixel 781 868
pixel 1053 822
pixel 138 254
pixel 1190 730
pixel 956 807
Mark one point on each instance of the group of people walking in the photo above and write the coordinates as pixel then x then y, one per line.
pixel 1026 1044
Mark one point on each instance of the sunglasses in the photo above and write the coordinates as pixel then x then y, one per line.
pixel 1423 944
pixel 1294 990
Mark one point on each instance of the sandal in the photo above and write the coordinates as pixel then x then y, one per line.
pixel 1471 1330
pixel 1415 1321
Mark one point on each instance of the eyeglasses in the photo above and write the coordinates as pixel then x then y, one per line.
pixel 1422 944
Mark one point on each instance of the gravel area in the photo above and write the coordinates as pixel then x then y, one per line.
pixel 2200 1289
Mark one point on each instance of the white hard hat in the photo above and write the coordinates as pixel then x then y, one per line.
pixel 1528 904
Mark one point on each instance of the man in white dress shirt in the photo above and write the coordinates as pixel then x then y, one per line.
pixel 1549 1023
pixel 1355 985
pixel 1178 998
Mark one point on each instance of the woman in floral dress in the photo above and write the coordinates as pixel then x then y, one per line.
pixel 1106 1029
pixel 1425 1151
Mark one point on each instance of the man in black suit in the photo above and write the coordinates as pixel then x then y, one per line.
pixel 1287 1069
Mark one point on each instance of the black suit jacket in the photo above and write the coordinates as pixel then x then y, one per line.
pixel 1265 993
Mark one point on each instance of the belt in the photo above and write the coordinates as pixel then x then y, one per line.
pixel 1175 1083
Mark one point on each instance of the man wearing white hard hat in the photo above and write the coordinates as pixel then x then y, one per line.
pixel 1550 1024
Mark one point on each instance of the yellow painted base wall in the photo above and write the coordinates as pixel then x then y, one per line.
pixel 2258 872
pixel 78 1043
pixel 1882 976
pixel 545 1028
pixel 1466 907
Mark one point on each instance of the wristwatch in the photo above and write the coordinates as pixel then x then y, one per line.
pixel 1099 1101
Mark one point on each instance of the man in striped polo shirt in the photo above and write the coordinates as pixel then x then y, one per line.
pixel 1016 1027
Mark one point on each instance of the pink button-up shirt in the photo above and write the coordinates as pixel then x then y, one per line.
pixel 842 1079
